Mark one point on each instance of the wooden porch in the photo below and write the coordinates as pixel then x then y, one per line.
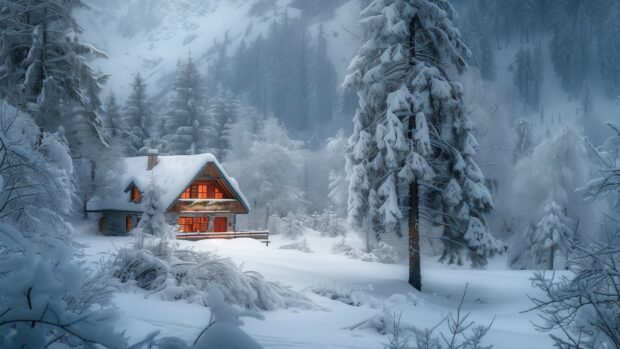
pixel 262 235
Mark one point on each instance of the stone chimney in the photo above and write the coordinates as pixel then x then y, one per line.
pixel 152 153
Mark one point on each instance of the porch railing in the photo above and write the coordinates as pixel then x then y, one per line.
pixel 258 235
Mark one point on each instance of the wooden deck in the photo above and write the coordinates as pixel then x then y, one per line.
pixel 258 235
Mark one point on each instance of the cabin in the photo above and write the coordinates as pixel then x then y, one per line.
pixel 199 197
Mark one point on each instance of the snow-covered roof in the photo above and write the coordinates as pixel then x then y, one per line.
pixel 172 175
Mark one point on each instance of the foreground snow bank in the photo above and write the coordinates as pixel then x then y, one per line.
pixel 493 293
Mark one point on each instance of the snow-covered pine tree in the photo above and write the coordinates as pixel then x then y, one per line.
pixel 153 222
pixel 338 188
pixel 548 239
pixel 527 69
pixel 412 138
pixel 224 110
pixel 524 142
pixel 571 45
pixel 138 115
pixel 117 135
pixel 43 66
pixel 189 128
pixel 609 50
pixel 45 300
pixel 538 69
pixel 477 28
pixel 112 119
pixel 322 83
pixel 153 225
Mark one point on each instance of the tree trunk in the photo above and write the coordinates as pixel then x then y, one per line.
pixel 551 257
pixel 415 274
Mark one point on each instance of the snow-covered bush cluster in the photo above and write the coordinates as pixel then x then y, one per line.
pixel 461 332
pixel 293 225
pixel 171 273
pixel 382 253
pixel 300 245
pixel 328 222
pixel 290 226
pixel 354 296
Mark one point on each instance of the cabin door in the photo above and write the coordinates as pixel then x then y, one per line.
pixel 220 225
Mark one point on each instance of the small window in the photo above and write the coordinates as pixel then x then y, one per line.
pixel 128 224
pixel 200 224
pixel 186 194
pixel 202 191
pixel 136 195
pixel 185 224
pixel 193 224
pixel 218 193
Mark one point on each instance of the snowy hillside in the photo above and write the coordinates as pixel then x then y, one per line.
pixel 152 36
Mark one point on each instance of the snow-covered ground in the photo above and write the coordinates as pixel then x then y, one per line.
pixel 493 294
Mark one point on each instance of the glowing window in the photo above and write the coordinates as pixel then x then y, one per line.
pixel 128 223
pixel 186 194
pixel 136 195
pixel 185 224
pixel 202 191
pixel 193 224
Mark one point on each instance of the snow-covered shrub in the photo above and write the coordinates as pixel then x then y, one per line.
pixel 223 330
pixel 462 333
pixel 180 274
pixel 290 226
pixel 327 222
pixel 586 305
pixel 354 296
pixel 301 245
pixel 46 298
pixel 383 322
pixel 382 253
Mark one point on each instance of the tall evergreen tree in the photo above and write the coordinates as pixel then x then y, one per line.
pixel 524 142
pixel 609 51
pixel 571 44
pixel 323 78
pixel 477 28
pixel 527 74
pixel 43 68
pixel 189 128
pixel 224 109
pixel 546 240
pixel 412 139
pixel 138 114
